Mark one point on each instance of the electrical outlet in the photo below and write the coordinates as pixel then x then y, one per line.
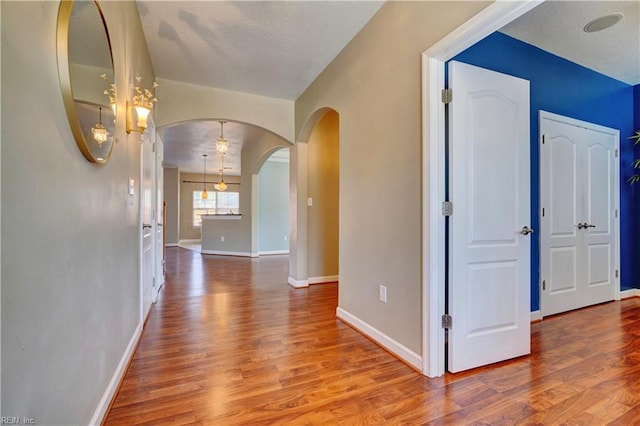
pixel 285 238
pixel 222 238
pixel 310 202
pixel 383 294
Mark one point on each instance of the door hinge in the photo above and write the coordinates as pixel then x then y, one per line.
pixel 617 274
pixel 447 321
pixel 544 285
pixel 542 139
pixel 616 151
pixel 543 212
pixel 447 208
pixel 616 212
pixel 447 96
pixel 153 147
pixel 154 281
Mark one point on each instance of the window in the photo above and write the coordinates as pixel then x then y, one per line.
pixel 216 203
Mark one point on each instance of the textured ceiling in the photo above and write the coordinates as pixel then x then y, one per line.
pixel 269 48
pixel 557 27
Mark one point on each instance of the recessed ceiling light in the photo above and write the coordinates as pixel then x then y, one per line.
pixel 603 22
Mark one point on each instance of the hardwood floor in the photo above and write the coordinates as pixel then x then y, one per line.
pixel 229 342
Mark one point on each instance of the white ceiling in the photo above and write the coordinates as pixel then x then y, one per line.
pixel 557 27
pixel 277 48
pixel 269 48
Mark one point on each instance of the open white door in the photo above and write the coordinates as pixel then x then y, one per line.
pixel 147 219
pixel 578 187
pixel 159 250
pixel 489 241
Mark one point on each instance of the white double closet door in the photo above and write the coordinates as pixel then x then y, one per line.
pixel 578 200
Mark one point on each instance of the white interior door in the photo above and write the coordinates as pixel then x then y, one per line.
pixel 489 255
pixel 578 201
pixel 159 241
pixel 147 209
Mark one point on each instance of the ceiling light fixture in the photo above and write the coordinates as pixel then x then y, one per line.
pixel 221 186
pixel 603 22
pixel 222 145
pixel 204 178
pixel 100 133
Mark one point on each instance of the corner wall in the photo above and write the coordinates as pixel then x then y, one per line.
pixel 172 198
pixel 70 293
pixel 323 161
pixel 273 207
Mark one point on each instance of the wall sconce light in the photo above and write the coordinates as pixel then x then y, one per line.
pixel 142 104
pixel 110 93
pixel 100 133
pixel 222 145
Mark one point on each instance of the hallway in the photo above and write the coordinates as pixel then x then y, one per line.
pixel 230 343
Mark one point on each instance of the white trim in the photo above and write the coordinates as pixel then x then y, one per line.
pixel 536 316
pixel 105 401
pixel 172 245
pixel 396 348
pixel 323 280
pixel 632 292
pixel 297 283
pixel 271 252
pixel 487 21
pixel 229 253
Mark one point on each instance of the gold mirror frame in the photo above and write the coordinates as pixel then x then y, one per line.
pixel 81 130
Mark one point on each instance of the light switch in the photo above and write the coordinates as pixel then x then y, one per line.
pixel 309 201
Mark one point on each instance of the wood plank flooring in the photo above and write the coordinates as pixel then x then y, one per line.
pixel 229 342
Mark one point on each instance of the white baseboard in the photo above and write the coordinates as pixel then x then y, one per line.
pixel 632 292
pixel 105 401
pixel 298 283
pixel 171 245
pixel 536 316
pixel 398 349
pixel 270 252
pixel 229 253
pixel 195 240
pixel 323 280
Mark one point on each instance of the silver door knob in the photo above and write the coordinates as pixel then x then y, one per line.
pixel 581 225
pixel 526 230
pixel 587 225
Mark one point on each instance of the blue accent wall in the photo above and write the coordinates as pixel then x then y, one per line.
pixel 635 197
pixel 563 87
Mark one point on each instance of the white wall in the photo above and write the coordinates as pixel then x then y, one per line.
pixel 70 294
pixel 273 207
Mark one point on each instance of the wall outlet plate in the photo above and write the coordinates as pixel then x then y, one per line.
pixel 383 294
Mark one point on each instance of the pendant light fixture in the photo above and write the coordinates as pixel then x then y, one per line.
pixel 100 133
pixel 204 178
pixel 221 186
pixel 222 145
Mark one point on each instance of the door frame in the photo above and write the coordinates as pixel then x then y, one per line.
pixel 487 21
pixel 616 186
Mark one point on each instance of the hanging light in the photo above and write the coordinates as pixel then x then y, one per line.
pixel 204 178
pixel 100 133
pixel 221 144
pixel 221 186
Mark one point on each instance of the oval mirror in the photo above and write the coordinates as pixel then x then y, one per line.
pixel 85 67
